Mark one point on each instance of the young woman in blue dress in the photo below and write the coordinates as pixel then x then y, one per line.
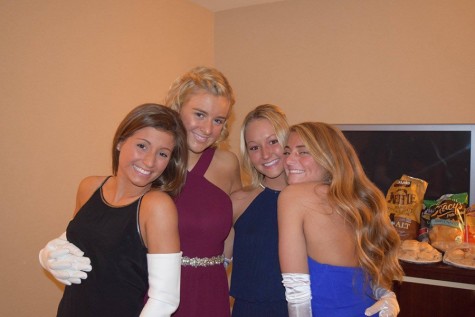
pixel 335 237
pixel 256 282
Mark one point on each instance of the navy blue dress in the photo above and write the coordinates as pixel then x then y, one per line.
pixel 256 281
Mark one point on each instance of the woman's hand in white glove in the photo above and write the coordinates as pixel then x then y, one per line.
pixel 64 261
pixel 387 304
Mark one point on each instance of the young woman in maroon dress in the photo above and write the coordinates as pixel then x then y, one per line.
pixel 204 99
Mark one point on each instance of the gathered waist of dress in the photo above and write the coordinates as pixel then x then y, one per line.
pixel 201 262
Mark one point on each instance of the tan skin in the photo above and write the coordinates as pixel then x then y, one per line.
pixel 308 225
pixel 143 157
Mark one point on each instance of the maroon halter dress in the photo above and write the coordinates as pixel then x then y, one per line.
pixel 205 219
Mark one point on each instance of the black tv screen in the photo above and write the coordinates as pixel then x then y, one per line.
pixel 442 155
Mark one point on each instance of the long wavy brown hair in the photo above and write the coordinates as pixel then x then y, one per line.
pixel 357 199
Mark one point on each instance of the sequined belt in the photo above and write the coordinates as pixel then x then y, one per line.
pixel 195 262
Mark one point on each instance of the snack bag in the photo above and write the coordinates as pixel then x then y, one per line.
pixel 445 216
pixel 423 234
pixel 470 225
pixel 405 200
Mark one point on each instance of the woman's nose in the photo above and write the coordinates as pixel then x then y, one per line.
pixel 265 152
pixel 207 126
pixel 289 159
pixel 149 159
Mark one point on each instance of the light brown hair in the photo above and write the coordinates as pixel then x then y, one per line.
pixel 164 119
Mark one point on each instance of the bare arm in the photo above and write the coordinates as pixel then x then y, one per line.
pixel 159 226
pixel 293 254
pixel 292 245
pixel 159 223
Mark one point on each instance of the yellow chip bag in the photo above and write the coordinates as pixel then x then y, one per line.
pixel 405 200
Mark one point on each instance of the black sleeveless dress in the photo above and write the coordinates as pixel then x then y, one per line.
pixel 118 282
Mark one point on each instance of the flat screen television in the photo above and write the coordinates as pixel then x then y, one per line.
pixel 442 154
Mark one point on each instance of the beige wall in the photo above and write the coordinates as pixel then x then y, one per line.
pixel 70 71
pixel 349 61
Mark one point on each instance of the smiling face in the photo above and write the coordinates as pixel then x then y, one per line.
pixel 204 116
pixel 263 148
pixel 299 164
pixel 144 156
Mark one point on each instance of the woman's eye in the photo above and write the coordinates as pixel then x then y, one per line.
pixel 141 146
pixel 200 114
pixel 274 142
pixel 163 154
pixel 286 153
pixel 253 148
pixel 219 121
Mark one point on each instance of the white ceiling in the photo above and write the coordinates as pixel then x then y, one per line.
pixel 221 5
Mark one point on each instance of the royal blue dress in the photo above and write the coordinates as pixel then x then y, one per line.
pixel 338 291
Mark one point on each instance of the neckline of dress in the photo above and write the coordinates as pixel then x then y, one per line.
pixel 264 187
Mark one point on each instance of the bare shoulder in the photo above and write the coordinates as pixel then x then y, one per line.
pixel 157 202
pixel 86 188
pixel 307 189
pixel 242 198
pixel 226 159
pixel 243 193
pixel 294 190
pixel 92 181
pixel 224 171
pixel 303 196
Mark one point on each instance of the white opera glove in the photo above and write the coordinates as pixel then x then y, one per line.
pixel 298 294
pixel 387 304
pixel 64 261
pixel 164 272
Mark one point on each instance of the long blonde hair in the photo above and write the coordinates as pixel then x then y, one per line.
pixel 357 199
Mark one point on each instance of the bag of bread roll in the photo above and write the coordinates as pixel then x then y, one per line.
pixel 446 220
pixel 470 225
pixel 405 200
